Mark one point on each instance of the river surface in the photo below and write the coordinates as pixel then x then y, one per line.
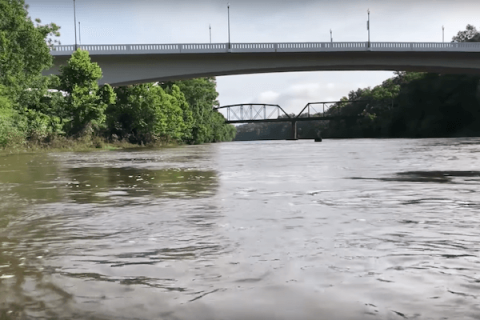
pixel 343 229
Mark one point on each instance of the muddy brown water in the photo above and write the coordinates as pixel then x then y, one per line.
pixel 343 229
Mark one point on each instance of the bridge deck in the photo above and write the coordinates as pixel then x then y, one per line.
pixel 195 48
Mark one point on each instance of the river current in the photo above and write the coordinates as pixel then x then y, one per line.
pixel 343 229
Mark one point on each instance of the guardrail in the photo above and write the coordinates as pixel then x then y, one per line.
pixel 267 47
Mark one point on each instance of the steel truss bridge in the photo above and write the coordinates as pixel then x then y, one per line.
pixel 262 112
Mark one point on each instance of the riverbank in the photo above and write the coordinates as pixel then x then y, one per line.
pixel 59 144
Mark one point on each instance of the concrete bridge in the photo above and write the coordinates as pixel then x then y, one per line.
pixel 130 64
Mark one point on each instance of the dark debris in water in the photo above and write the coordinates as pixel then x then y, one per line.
pixel 400 314
pixel 428 176
pixel 440 174
pixel 462 294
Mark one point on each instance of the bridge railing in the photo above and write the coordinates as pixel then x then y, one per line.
pixel 323 46
pixel 253 47
pixel 267 47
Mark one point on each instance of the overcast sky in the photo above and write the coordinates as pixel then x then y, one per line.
pixel 187 21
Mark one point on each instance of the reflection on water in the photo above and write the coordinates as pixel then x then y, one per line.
pixel 346 229
pixel 89 185
pixel 75 216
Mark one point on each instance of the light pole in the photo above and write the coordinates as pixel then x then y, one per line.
pixel 75 24
pixel 79 34
pixel 331 38
pixel 228 9
pixel 368 27
pixel 210 29
pixel 443 34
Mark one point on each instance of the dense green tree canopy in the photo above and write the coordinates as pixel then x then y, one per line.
pixel 86 102
pixel 145 113
pixel 201 95
pixel 23 50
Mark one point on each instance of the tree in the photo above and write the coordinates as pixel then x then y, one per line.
pixel 49 31
pixel 24 53
pixel 86 101
pixel 12 126
pixel 470 34
pixel 188 122
pixel 146 113
pixel 201 95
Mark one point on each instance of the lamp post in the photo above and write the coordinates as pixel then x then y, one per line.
pixel 443 34
pixel 228 9
pixel 79 34
pixel 368 27
pixel 331 37
pixel 75 24
pixel 210 29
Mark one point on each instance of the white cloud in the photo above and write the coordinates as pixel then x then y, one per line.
pixel 270 97
pixel 304 90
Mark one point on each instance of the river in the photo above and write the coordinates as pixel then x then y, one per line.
pixel 343 229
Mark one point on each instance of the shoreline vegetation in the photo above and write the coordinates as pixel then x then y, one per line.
pixel 62 144
pixel 72 111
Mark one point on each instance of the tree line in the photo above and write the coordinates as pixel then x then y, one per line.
pixel 36 109
pixel 409 105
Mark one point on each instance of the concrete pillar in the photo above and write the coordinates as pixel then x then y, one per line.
pixel 294 130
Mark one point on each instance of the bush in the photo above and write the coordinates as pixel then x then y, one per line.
pixel 12 126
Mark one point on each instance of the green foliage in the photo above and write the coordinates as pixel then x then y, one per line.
pixel 148 113
pixel 201 95
pixel 470 34
pixel 49 32
pixel 188 121
pixel 24 54
pixel 416 105
pixel 86 103
pixel 139 114
pixel 43 109
pixel 12 128
pixel 23 50
pixel 439 105
pixel 80 71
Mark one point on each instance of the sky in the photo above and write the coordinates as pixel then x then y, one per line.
pixel 188 21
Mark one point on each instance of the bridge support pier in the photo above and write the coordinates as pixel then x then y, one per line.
pixel 294 130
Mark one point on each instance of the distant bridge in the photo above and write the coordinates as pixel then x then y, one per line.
pixel 261 112
pixel 126 64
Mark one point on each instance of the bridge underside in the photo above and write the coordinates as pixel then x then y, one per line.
pixel 131 69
